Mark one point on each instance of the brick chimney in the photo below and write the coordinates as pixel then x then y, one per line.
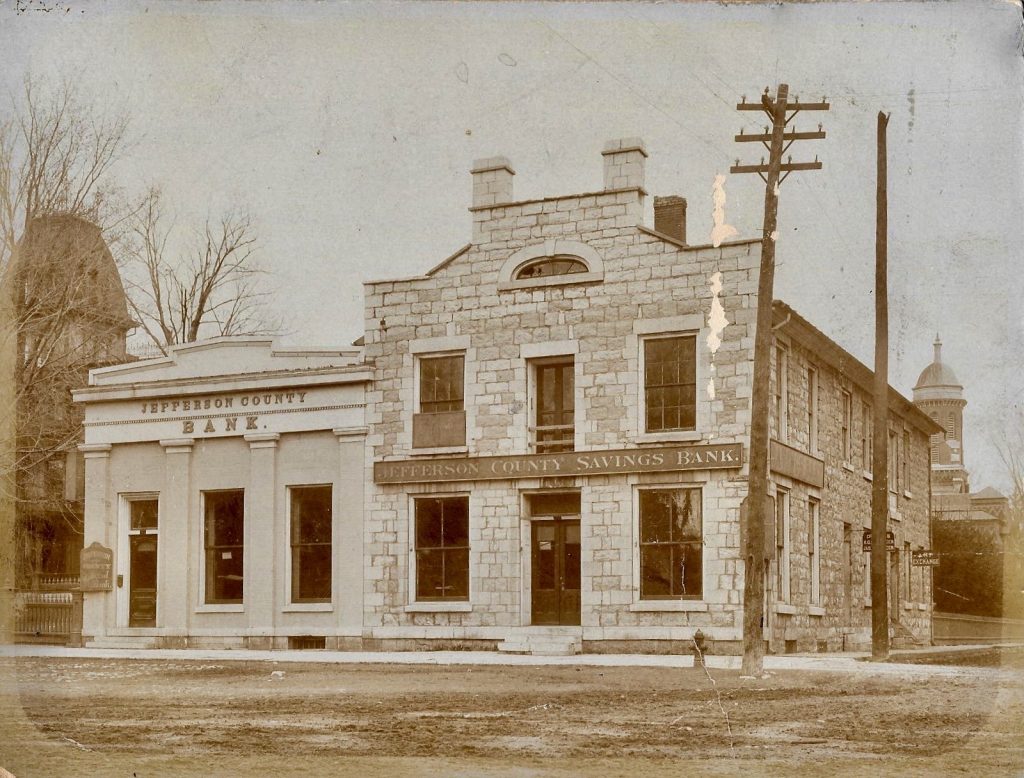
pixel 670 216
pixel 624 163
pixel 492 181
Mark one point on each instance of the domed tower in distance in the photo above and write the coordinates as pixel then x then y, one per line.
pixel 940 394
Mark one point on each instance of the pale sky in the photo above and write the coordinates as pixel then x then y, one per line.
pixel 348 130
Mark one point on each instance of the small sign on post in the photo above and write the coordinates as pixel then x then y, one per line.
pixel 890 541
pixel 96 569
pixel 924 558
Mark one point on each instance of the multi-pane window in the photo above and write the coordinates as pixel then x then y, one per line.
pixel 894 471
pixel 224 544
pixel 782 545
pixel 671 543
pixel 908 589
pixel 311 555
pixel 812 409
pixel 781 395
pixel 846 429
pixel 906 459
pixel 814 549
pixel 866 436
pixel 559 265
pixel 442 383
pixel 442 548
pixel 555 426
pixel 670 383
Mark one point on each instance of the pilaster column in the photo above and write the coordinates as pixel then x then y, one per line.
pixel 177 532
pixel 99 608
pixel 263 530
pixel 347 537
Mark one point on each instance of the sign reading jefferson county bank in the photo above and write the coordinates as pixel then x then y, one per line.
pixel 633 460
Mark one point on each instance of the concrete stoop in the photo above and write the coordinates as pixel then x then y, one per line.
pixel 544 641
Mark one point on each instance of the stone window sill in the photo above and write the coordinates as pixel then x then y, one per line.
pixel 847 466
pixel 680 436
pixel 922 606
pixel 907 494
pixel 225 608
pixel 677 606
pixel 419 452
pixel 785 608
pixel 908 606
pixel 439 607
pixel 308 607
pixel 815 610
pixel 868 476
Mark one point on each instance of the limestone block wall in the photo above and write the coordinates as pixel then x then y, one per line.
pixel 469 302
pixel 846 500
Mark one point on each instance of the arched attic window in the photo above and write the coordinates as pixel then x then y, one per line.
pixel 559 265
pixel 551 263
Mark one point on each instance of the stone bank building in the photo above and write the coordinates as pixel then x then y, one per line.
pixel 559 422
pixel 541 445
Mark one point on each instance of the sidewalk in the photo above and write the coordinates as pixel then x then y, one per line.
pixel 838 662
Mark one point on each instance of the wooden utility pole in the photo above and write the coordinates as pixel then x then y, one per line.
pixel 880 455
pixel 778 110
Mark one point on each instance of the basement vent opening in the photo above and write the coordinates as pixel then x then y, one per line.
pixel 307 642
pixel 822 646
pixel 790 646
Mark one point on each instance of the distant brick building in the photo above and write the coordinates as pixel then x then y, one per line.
pixel 558 431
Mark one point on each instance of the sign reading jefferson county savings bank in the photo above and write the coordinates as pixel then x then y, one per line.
pixel 633 460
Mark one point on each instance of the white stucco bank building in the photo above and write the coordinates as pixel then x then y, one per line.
pixel 225 487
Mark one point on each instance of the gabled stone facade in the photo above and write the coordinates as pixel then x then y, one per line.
pixel 630 284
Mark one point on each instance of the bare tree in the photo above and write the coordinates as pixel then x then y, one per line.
pixel 56 153
pixel 210 286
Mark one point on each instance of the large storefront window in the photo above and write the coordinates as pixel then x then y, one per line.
pixel 311 543
pixel 671 544
pixel 224 544
pixel 670 383
pixel 442 548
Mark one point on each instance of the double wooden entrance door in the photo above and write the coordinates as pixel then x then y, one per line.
pixel 556 571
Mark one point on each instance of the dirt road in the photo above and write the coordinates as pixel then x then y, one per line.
pixel 70 717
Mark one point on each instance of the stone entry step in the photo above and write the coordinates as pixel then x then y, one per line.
pixel 122 642
pixel 544 641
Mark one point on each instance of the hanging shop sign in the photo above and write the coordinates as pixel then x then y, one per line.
pixel 890 541
pixel 924 558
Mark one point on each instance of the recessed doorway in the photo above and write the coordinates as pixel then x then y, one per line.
pixel 555 558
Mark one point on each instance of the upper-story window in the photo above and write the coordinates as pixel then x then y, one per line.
pixel 554 428
pixel 442 383
pixel 812 410
pixel 561 265
pixel 553 262
pixel 846 429
pixel 781 395
pixel 440 420
pixel 670 383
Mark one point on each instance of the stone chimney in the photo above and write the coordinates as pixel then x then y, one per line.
pixel 624 163
pixel 670 216
pixel 492 181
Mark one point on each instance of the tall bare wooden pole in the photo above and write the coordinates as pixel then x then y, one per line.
pixel 880 455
